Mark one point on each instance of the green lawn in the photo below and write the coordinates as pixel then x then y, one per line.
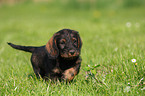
pixel 111 38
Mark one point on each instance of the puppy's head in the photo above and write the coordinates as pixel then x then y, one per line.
pixel 66 43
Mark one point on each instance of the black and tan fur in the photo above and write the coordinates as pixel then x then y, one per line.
pixel 59 58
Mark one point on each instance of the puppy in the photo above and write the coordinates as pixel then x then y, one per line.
pixel 59 59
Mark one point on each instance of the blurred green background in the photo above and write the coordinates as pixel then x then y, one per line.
pixel 84 3
pixel 112 31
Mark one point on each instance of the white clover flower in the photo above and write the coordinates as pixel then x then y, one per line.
pixel 128 24
pixel 128 45
pixel 127 89
pixel 133 60
pixel 88 65
pixel 115 49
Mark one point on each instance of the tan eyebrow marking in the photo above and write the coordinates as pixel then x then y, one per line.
pixel 62 40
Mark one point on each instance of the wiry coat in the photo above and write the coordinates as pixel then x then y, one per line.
pixel 59 58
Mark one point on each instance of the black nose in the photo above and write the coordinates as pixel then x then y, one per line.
pixel 72 52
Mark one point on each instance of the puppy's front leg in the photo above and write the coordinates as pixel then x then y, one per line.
pixel 70 73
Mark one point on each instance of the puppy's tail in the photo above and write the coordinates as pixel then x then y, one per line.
pixel 23 48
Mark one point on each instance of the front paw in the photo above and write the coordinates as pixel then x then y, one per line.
pixel 69 74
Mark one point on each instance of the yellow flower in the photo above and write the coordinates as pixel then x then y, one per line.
pixel 135 63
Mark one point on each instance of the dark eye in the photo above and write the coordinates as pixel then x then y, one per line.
pixel 74 40
pixel 62 41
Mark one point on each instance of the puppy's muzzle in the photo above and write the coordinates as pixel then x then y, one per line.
pixel 71 52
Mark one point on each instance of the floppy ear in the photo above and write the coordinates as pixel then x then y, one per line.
pixel 79 41
pixel 52 48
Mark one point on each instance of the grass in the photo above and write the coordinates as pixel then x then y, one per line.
pixel 111 38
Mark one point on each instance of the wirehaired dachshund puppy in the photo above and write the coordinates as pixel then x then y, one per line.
pixel 59 59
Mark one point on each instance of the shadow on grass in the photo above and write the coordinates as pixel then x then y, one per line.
pixel 32 76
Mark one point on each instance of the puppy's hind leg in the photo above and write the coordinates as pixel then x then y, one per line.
pixel 35 66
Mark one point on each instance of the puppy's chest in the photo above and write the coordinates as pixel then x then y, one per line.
pixel 61 66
